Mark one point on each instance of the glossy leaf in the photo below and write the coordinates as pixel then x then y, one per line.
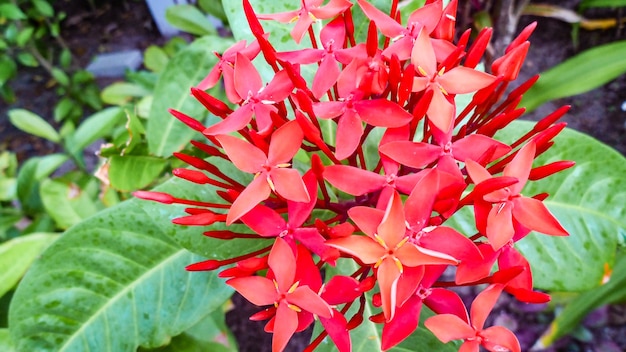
pixel 6 344
pixel 155 58
pixel 120 93
pixel 189 19
pixel 31 173
pixel 32 123
pixel 93 127
pixel 614 291
pixel 67 202
pixel 585 4
pixel 130 173
pixel 588 200
pixel 115 282
pixel 187 68
pixel 581 73
pixel 11 12
pixel 16 256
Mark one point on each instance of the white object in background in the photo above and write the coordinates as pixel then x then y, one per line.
pixel 157 9
pixel 115 64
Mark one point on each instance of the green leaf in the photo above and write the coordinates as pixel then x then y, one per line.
pixel 585 4
pixel 95 126
pixel 569 318
pixel 60 76
pixel 120 93
pixel 6 345
pixel 68 203
pixel 16 256
pixel 43 7
pixel 8 68
pixel 63 109
pixel 189 19
pixel 581 73
pixel 11 12
pixel 65 58
pixel 588 200
pixel 113 282
pixel 361 22
pixel 187 68
pixel 8 189
pixel 27 59
pixel 33 124
pixel 24 36
pixel 213 7
pixel 130 173
pixel 155 58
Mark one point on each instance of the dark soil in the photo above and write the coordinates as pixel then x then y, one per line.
pixel 123 25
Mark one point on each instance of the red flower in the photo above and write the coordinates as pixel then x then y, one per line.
pixel 258 100
pixel 272 172
pixel 286 294
pixel 386 246
pixel 498 213
pixel 443 81
pixel 311 11
pixel 448 327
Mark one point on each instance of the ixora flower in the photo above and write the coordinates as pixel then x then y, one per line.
pixel 354 174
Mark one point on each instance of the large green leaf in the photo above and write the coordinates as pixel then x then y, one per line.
pixel 186 69
pixel 133 172
pixel 69 202
pixel 112 283
pixel 16 256
pixel 589 202
pixel 613 291
pixel 584 72
pixel 6 345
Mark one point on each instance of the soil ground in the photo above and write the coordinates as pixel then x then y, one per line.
pixel 121 25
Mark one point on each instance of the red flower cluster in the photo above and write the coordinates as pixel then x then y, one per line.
pixel 386 212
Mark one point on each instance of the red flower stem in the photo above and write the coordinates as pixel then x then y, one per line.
pixel 245 256
pixel 312 37
pixel 201 204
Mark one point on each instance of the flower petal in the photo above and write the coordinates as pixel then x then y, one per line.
pixel 285 143
pixel 264 221
pixel 463 80
pixel 278 89
pixel 352 180
pixel 382 113
pixel 325 77
pixel 500 225
pixel 308 300
pixel 403 324
pixel 520 166
pixel 282 261
pixel 411 154
pixel 244 155
pixel 423 55
pixel 387 276
pixel 362 247
pixel 483 304
pixel 337 329
pixel 498 338
pixel 349 132
pixel 285 326
pixel 258 290
pixel 533 214
pixel 475 145
pixel 392 228
pixel 448 327
pixel 256 192
pixel 289 184
pixel 443 301
pixel 237 120
pixel 247 79
pixel 366 219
